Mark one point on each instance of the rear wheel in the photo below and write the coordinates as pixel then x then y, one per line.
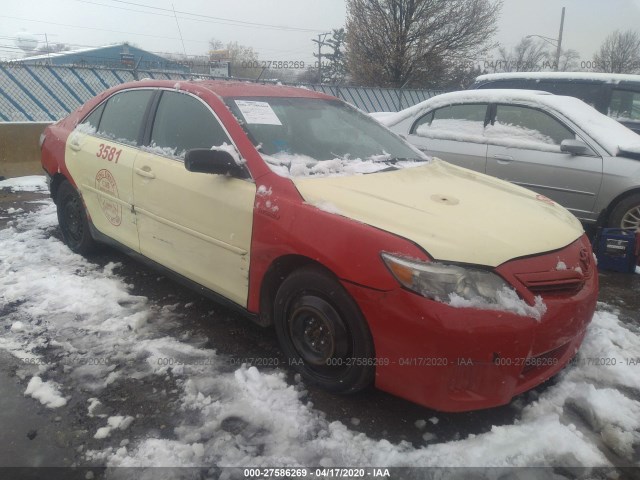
pixel 626 214
pixel 73 221
pixel 322 332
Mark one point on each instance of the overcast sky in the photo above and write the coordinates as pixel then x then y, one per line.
pixel 99 22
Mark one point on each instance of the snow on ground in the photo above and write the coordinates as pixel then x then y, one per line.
pixel 73 311
pixel 33 183
pixel 46 392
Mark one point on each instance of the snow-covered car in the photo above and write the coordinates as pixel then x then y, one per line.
pixel 374 262
pixel 555 145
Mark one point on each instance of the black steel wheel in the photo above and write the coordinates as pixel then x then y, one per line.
pixel 322 332
pixel 73 221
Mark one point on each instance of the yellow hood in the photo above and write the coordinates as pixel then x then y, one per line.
pixel 453 213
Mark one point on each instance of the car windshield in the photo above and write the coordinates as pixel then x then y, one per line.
pixel 311 136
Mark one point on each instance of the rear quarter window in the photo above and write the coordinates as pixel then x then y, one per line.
pixel 123 114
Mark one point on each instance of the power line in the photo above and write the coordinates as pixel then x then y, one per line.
pixel 243 22
pixel 97 28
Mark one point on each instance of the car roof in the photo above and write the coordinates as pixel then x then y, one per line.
pixel 233 88
pixel 568 76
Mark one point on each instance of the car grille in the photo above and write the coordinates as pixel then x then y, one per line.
pixel 557 282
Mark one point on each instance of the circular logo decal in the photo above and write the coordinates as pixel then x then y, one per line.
pixel 107 184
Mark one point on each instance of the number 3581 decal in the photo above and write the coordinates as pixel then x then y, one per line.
pixel 109 153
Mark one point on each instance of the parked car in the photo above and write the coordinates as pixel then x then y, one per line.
pixel 557 146
pixel 374 262
pixel 615 95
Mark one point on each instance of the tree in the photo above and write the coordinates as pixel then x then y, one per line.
pixel 334 68
pixel 528 55
pixel 244 60
pixel 52 48
pixel 569 61
pixel 405 42
pixel 619 53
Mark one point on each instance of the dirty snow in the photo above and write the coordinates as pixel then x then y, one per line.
pixel 33 183
pixel 72 310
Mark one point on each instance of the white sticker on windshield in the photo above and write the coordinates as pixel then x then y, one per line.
pixel 258 112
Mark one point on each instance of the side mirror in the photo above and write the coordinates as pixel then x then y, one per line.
pixel 575 147
pixel 216 162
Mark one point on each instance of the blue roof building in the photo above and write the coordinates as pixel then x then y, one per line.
pixel 118 56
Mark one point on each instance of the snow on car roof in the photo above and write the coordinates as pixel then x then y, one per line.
pixel 614 137
pixel 591 76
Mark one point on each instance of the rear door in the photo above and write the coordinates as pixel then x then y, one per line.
pixel 453 133
pixel 198 225
pixel 100 154
pixel 524 148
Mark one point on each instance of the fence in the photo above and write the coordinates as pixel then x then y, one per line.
pixel 48 93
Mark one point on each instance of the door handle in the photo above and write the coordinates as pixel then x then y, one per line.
pixel 503 159
pixel 145 172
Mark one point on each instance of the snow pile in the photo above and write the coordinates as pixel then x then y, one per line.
pixel 504 134
pixel 33 183
pixel 47 393
pixel 326 207
pixel 231 150
pixel 508 301
pixel 293 166
pixel 116 422
pixel 154 149
pixel 72 309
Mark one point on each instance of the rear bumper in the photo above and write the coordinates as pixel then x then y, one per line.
pixel 459 359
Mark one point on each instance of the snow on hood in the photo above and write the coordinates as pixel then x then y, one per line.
pixel 614 137
pixel 453 213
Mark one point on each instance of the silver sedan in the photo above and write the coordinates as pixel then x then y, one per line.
pixel 557 146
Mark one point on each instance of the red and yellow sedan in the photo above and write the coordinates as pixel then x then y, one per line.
pixel 375 263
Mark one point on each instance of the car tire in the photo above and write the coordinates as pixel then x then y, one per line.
pixel 73 221
pixel 323 333
pixel 626 213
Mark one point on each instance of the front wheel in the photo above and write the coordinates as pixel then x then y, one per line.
pixel 626 214
pixel 73 221
pixel 322 332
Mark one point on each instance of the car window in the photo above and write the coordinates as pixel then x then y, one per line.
pixel 123 114
pixel 625 105
pixel 524 127
pixel 182 123
pixel 316 136
pixel 587 92
pixel 92 120
pixel 463 122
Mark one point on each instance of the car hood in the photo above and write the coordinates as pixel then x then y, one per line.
pixel 453 213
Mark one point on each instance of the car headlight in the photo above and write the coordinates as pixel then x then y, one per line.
pixel 440 281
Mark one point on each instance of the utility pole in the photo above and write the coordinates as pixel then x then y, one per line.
pixel 559 50
pixel 321 43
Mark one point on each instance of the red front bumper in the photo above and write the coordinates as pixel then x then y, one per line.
pixel 458 359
